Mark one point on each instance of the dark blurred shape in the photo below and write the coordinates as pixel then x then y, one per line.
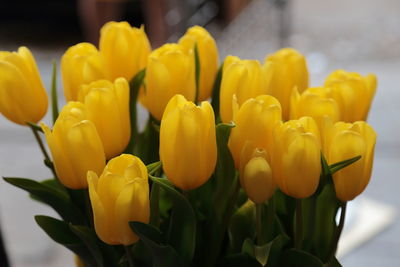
pixel 66 22
pixel 3 253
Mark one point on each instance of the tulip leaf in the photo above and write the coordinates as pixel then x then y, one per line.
pixel 197 64
pixel 260 253
pixel 163 254
pixel 134 86
pixel 342 164
pixel 216 91
pixel 325 223
pixel 54 98
pixel 55 198
pixel 225 169
pixel 298 258
pixel 239 260
pixel 89 238
pixel 182 228
pixel 61 233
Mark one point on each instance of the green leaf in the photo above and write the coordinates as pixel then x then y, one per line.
pixel 197 71
pixel 89 238
pixel 216 91
pixel 54 99
pixel 299 258
pixel 325 223
pixel 163 254
pixel 47 194
pixel 275 252
pixel 239 260
pixel 225 169
pixel 333 263
pixel 260 253
pixel 242 225
pixel 134 86
pixel 182 228
pixel 342 164
pixel 61 233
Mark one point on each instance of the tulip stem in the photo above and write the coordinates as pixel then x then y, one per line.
pixel 270 218
pixel 299 225
pixel 259 223
pixel 338 232
pixel 128 251
pixel 197 72
pixel 47 160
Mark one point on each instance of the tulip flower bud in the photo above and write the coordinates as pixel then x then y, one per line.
pixel 108 108
pixel 170 71
pixel 353 93
pixel 296 159
pixel 118 196
pixel 188 148
pixel 345 141
pixel 255 174
pixel 243 78
pixel 75 146
pixel 124 49
pixel 316 103
pixel 23 97
pixel 289 69
pixel 254 122
pixel 208 54
pixel 80 64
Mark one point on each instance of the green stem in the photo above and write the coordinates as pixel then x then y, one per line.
pixel 313 217
pixel 47 160
pixel 197 72
pixel 129 256
pixel 154 204
pixel 54 98
pixel 338 233
pixel 259 224
pixel 299 225
pixel 271 218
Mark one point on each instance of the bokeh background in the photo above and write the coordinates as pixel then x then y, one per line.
pixel 357 35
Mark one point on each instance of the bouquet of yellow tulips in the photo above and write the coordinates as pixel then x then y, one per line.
pixel 253 177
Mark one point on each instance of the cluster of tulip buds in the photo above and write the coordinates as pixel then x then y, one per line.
pixel 246 164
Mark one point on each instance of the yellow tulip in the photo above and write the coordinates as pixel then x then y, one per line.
pixel 315 102
pixel 208 55
pixel 188 148
pixel 289 69
pixel 108 108
pixel 118 196
pixel 256 174
pixel 296 157
pixel 353 93
pixel 254 121
pixel 75 146
pixel 345 141
pixel 80 64
pixel 243 78
pixel 170 71
pixel 124 49
pixel 23 97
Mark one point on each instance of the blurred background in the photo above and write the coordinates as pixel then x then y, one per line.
pixel 357 35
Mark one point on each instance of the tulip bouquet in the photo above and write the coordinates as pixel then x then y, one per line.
pixel 253 177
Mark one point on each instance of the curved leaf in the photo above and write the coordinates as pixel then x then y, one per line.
pixel 299 258
pixel 182 228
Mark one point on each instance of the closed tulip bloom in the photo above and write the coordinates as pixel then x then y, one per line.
pixel 80 64
pixel 188 148
pixel 170 71
pixel 314 102
pixel 296 159
pixel 353 93
pixel 107 106
pixel 23 97
pixel 256 174
pixel 289 71
pixel 244 78
pixel 345 141
pixel 208 55
pixel 124 49
pixel 118 196
pixel 255 121
pixel 75 146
